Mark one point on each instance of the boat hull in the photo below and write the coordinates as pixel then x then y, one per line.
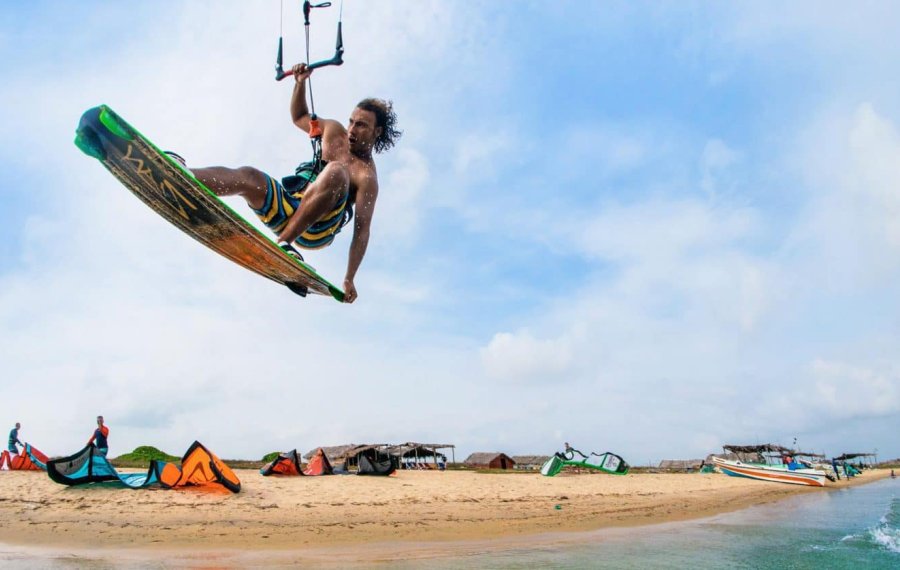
pixel 808 477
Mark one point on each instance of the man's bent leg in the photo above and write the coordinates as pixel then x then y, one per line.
pixel 247 182
pixel 319 198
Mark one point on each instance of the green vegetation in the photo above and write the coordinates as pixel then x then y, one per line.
pixel 142 456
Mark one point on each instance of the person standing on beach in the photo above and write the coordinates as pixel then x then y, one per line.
pixel 100 437
pixel 14 442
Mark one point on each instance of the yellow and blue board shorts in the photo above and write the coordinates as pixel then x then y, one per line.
pixel 280 205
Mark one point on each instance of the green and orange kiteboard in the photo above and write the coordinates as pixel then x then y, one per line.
pixel 176 195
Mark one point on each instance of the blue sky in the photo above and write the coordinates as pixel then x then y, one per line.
pixel 648 228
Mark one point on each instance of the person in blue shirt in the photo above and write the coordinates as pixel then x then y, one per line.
pixel 100 437
pixel 14 442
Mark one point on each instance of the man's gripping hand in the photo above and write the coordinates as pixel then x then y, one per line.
pixel 350 294
pixel 301 72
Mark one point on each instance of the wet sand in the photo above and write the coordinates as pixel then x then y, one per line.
pixel 316 513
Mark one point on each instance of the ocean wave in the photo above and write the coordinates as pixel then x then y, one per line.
pixel 887 533
pixel 892 516
pixel 887 537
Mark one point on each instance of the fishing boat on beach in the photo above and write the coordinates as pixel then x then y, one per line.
pixel 788 471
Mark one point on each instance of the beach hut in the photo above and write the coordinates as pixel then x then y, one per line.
pixel 334 453
pixel 414 455
pixel 345 456
pixel 490 460
pixel 529 462
pixel 728 456
pixel 863 460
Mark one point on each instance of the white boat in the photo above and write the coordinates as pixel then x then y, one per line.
pixel 774 473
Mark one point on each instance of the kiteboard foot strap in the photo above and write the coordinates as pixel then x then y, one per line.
pixel 290 250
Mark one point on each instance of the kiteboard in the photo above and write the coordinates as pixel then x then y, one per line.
pixel 173 192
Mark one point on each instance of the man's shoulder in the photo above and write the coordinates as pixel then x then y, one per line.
pixel 363 171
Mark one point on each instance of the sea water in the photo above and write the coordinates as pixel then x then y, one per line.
pixel 856 527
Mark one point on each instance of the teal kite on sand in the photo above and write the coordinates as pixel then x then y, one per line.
pixel 36 457
pixel 89 465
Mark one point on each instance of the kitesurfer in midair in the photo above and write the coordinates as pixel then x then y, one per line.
pixel 309 209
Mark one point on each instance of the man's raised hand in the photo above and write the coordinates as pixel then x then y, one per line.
pixel 301 72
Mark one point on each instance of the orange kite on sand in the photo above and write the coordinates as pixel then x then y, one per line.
pixel 287 463
pixel 318 464
pixel 29 460
pixel 199 467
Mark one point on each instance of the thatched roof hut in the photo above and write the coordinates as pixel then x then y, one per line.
pixel 338 454
pixel 529 462
pixel 420 452
pixel 490 460
pixel 864 458
pixel 347 455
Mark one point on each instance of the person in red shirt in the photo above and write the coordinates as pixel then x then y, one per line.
pixel 100 437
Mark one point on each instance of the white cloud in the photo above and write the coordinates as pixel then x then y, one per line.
pixel 479 153
pixel 875 145
pixel 606 149
pixel 520 357
pixel 714 163
pixel 847 237
pixel 692 305
pixel 843 390
pixel 400 204
pixel 663 229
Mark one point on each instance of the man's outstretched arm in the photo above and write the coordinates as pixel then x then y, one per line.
pixel 365 207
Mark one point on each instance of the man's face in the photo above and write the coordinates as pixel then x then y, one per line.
pixel 100 420
pixel 362 132
pixel 18 425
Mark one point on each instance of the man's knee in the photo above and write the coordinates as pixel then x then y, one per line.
pixel 332 183
pixel 250 176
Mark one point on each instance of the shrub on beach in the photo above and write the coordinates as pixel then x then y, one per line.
pixel 141 457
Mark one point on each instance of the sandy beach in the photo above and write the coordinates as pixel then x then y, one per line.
pixel 320 512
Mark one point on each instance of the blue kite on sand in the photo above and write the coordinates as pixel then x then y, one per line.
pixel 89 465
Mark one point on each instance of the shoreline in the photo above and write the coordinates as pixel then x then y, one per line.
pixel 319 516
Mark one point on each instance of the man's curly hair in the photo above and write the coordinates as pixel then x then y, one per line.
pixel 386 118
